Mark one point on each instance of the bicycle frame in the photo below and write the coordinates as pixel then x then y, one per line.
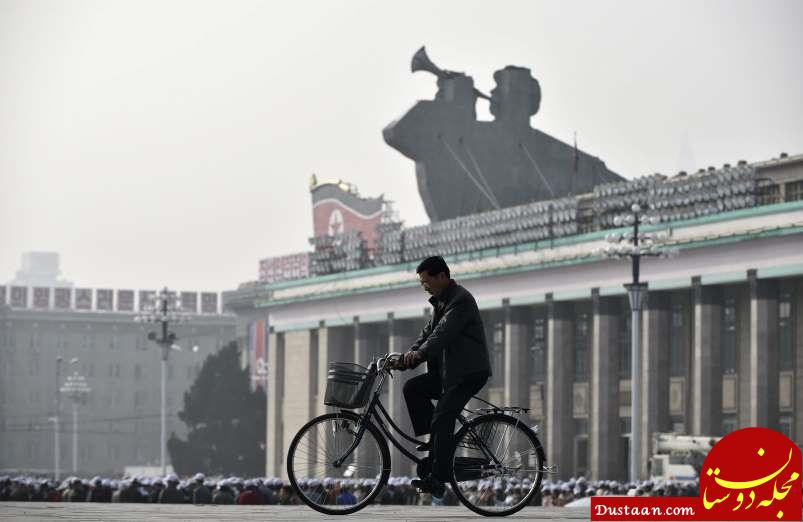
pixel 373 411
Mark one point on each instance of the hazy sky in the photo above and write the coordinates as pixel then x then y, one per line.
pixel 171 143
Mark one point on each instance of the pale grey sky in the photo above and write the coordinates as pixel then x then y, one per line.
pixel 170 143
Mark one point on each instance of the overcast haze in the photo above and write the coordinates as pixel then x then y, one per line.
pixel 171 143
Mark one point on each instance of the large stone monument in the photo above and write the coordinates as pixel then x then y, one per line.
pixel 465 166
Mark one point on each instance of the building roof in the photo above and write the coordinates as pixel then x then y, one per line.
pixel 738 225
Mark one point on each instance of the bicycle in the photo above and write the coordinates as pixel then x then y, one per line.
pixel 495 452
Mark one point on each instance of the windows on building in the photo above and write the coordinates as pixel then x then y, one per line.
pixel 786 346
pixel 582 339
pixel 729 342
pixel 769 193
pixel 677 343
pixel 794 191
pixel 581 446
pixel 538 347
pixel 786 426
pixel 625 341
pixel 498 353
pixel 729 424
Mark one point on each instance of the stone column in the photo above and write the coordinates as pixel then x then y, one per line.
pixel 604 388
pixel 299 401
pixel 274 455
pixel 797 328
pixel 363 350
pixel 763 351
pixel 706 368
pixel 657 317
pixel 401 335
pixel 743 356
pixel 560 362
pixel 334 344
pixel 517 367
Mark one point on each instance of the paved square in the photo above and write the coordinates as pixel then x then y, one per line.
pixel 87 512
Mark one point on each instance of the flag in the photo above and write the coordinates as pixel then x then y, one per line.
pixel 258 362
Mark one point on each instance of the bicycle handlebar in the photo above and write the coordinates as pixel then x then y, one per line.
pixel 383 361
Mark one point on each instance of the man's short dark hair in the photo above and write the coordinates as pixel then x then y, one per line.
pixel 433 266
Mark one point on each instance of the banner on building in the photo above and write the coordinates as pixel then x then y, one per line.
pixel 189 302
pixel 147 299
pixel 105 300
pixel 19 297
pixel 41 297
pixel 62 298
pixel 258 354
pixel 284 268
pixel 125 300
pixel 208 303
pixel 172 299
pixel 83 299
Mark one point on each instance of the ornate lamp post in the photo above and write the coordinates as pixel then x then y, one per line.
pixel 164 310
pixel 56 420
pixel 77 390
pixel 636 245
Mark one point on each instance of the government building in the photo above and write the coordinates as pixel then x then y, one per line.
pixel 722 325
pixel 50 331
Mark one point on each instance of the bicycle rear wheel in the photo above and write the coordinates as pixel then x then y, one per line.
pixel 349 487
pixel 498 465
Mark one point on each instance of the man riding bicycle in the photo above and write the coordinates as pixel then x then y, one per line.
pixel 453 345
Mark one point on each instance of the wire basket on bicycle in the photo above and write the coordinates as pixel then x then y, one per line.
pixel 348 385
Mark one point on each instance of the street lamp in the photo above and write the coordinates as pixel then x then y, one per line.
pixel 635 245
pixel 164 309
pixel 78 390
pixel 57 421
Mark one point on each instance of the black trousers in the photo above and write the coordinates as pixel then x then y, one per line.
pixel 419 392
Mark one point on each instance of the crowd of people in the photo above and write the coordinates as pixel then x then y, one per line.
pixel 561 493
pixel 274 491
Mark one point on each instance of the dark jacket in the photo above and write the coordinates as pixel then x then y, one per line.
pixel 171 495
pixel 454 338
pixel 202 495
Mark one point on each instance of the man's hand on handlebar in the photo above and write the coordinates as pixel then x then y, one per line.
pixel 397 364
pixel 412 359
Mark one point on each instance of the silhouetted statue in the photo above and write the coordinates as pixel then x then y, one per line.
pixel 464 166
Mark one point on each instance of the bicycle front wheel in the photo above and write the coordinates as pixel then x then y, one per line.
pixel 498 465
pixel 343 489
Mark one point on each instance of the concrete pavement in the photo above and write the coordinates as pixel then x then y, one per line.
pixel 87 512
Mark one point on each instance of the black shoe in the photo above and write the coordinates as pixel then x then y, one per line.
pixel 430 484
pixel 427 446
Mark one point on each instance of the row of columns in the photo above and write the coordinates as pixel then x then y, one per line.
pixel 297 369
pixel 758 372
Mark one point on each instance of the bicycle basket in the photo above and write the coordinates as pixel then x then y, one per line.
pixel 348 385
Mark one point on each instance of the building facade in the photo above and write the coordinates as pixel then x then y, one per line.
pixel 120 423
pixel 722 332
